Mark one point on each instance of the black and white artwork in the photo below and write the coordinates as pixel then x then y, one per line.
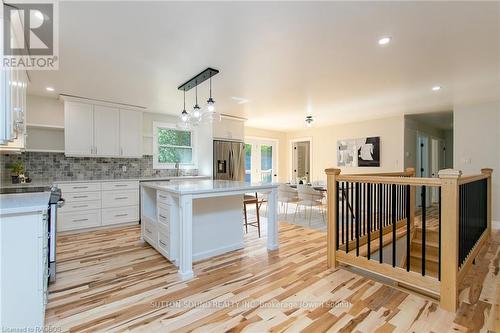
pixel 362 152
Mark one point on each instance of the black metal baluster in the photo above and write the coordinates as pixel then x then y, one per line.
pixel 380 241
pixel 337 217
pixel 352 210
pixel 357 217
pixel 408 227
pixel 343 211
pixel 369 213
pixel 423 228
pixel 348 219
pixel 394 225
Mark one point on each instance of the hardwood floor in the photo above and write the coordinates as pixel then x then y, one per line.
pixel 110 281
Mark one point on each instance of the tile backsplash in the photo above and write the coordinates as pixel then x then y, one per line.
pixel 41 166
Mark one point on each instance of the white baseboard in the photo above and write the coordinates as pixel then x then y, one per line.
pixel 215 252
pixel 495 225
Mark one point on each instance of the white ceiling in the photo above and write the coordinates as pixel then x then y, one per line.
pixel 285 58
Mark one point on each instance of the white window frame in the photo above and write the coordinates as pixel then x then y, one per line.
pixel 158 165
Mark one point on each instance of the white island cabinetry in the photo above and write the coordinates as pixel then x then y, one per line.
pixel 194 220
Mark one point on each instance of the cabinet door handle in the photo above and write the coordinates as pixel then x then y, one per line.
pixel 121 185
pixel 163 217
pixel 162 197
pixel 162 243
pixel 80 220
pixel 120 198
pixel 148 231
pixel 78 187
pixel 80 206
pixel 120 215
pixel 80 196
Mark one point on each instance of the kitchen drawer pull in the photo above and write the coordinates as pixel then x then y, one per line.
pixel 121 185
pixel 80 220
pixel 120 198
pixel 80 196
pixel 163 217
pixel 121 215
pixel 162 196
pixel 148 231
pixel 162 243
pixel 79 187
pixel 80 206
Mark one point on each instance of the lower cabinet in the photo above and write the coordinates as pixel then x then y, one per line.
pixel 23 271
pixel 96 204
pixel 161 232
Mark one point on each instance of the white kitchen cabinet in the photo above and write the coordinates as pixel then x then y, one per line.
pixel 13 86
pixel 98 130
pixel 78 128
pixel 106 131
pixel 130 133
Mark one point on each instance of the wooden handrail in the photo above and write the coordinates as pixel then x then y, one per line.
pixel 409 172
pixel 390 180
pixel 473 178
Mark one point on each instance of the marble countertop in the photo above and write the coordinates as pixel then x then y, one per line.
pixel 208 186
pixel 24 202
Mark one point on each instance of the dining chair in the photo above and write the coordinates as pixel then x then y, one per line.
pixel 309 197
pixel 286 195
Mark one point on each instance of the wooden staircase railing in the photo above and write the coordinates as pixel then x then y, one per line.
pixel 372 225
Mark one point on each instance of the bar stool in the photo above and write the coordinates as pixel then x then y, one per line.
pixel 251 200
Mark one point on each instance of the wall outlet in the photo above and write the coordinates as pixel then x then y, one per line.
pixel 124 168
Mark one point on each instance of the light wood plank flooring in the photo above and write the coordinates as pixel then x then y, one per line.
pixel 110 281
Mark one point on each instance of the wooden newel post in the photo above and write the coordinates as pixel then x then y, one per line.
pixel 449 238
pixel 331 234
pixel 410 172
pixel 487 171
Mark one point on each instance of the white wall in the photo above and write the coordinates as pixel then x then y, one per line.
pixel 477 143
pixel 324 145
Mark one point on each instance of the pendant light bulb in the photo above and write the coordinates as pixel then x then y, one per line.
pixel 210 102
pixel 196 109
pixel 184 115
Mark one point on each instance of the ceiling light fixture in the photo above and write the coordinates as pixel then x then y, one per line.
pixel 210 101
pixel 184 115
pixel 49 89
pixel 196 108
pixel 384 40
pixel 436 88
pixel 309 121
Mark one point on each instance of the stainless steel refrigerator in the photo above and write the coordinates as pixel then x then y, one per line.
pixel 229 160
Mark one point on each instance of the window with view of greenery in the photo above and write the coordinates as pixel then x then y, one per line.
pixel 174 146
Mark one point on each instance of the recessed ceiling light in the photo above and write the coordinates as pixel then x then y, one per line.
pixel 436 88
pixel 384 40
pixel 49 89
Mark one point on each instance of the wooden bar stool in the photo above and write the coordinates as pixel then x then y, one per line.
pixel 251 200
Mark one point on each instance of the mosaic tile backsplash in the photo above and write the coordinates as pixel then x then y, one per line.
pixel 55 166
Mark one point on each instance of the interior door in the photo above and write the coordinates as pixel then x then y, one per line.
pixel 301 163
pixel 260 161
pixel 106 131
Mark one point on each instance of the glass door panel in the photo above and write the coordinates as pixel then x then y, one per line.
pixel 260 161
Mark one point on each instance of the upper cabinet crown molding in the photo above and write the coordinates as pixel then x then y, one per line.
pixel 123 106
pixel 101 131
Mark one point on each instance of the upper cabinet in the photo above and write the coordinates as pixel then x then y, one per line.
pixel 101 130
pixel 13 86
pixel 229 128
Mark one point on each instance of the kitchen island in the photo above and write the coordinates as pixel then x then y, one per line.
pixel 194 220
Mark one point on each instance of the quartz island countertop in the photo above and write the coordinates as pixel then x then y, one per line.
pixel 207 186
pixel 23 202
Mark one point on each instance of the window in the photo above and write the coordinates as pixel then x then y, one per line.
pixel 171 146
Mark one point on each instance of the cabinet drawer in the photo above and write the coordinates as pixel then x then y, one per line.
pixel 120 198
pixel 122 185
pixel 81 196
pixel 149 233
pixel 163 214
pixel 164 243
pixel 120 215
pixel 78 187
pixel 164 198
pixel 82 205
pixel 78 220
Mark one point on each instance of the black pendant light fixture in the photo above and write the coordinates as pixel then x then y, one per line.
pixel 184 114
pixel 210 101
pixel 196 114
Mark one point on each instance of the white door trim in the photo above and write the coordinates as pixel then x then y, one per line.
pixel 290 156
